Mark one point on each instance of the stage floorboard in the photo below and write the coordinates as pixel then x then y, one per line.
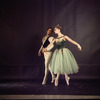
pixel 78 89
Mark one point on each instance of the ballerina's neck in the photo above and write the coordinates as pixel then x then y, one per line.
pixel 60 34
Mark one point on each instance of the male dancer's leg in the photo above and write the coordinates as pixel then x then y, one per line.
pixel 47 56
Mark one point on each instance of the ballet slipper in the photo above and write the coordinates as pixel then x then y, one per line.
pixel 67 80
pixel 53 78
pixel 56 82
pixel 44 81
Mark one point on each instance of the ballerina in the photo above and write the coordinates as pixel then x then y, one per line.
pixel 63 61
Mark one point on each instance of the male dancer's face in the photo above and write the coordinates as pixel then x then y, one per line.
pixel 49 31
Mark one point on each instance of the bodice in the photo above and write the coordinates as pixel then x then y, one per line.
pixel 61 44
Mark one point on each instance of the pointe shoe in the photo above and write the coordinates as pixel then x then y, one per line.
pixel 56 82
pixel 44 81
pixel 53 78
pixel 67 80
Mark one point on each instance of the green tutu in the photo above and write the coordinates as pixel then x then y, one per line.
pixel 63 60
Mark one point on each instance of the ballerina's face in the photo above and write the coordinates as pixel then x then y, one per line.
pixel 56 30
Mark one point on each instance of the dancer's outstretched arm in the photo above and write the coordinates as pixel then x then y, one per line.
pixel 75 43
pixel 44 50
pixel 50 47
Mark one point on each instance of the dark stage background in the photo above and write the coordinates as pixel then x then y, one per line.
pixel 23 23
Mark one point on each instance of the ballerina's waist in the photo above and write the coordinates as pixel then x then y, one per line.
pixel 60 47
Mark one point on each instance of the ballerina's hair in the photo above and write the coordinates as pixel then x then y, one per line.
pixel 58 26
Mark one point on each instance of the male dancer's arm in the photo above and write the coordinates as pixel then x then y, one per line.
pixel 39 52
pixel 50 40
pixel 41 48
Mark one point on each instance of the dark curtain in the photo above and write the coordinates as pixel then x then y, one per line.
pixel 23 23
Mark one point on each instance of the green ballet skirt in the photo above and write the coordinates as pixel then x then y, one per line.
pixel 63 60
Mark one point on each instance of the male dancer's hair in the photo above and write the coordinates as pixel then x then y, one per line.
pixel 51 31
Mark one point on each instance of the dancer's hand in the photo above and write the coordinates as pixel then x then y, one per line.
pixel 44 50
pixel 79 47
pixel 39 53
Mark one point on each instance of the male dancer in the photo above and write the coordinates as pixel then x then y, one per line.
pixel 47 55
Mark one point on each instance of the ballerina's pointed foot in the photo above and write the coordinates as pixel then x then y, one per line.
pixel 67 80
pixel 56 82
